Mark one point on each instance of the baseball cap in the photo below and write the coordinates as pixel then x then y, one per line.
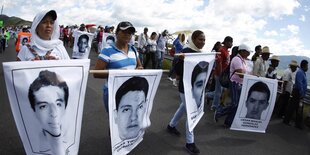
pixel 126 25
pixel 52 13
pixel 245 47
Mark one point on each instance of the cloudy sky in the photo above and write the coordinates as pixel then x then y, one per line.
pixel 283 25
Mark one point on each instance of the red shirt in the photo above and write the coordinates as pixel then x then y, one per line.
pixel 222 60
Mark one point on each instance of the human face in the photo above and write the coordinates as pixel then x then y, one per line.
pixel 256 104
pixel 45 28
pixel 49 108
pixel 130 113
pixel 200 41
pixel 124 36
pixel 83 45
pixel 198 87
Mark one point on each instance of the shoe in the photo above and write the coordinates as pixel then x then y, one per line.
pixel 215 116
pixel 173 130
pixel 169 78
pixel 191 148
pixel 174 82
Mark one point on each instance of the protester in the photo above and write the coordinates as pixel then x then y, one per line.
pixel 152 49
pixel 287 87
pixel 45 43
pixel 238 67
pixel 272 70
pixel 260 65
pixel 258 51
pixel 196 43
pixel 99 38
pixel 298 93
pixel 178 44
pixel 20 35
pixel 142 44
pixel 221 63
pixel 120 55
pixel 161 48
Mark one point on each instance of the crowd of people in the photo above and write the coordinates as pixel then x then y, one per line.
pixel 46 40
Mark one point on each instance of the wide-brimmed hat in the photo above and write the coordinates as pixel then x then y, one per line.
pixel 265 50
pixel 294 63
pixel 274 57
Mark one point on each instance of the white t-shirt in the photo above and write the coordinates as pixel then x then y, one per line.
pixel 288 76
pixel 26 55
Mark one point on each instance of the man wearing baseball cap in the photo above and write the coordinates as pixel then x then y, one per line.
pixel 261 65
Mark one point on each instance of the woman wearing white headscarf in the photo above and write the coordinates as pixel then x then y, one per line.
pixel 45 43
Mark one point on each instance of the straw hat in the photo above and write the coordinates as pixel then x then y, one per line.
pixel 274 57
pixel 293 63
pixel 265 50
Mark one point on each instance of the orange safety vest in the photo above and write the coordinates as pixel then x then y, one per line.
pixel 22 38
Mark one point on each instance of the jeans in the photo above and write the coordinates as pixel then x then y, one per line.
pixel 160 59
pixel 174 62
pixel 178 115
pixel 106 98
pixel 217 93
pixel 235 90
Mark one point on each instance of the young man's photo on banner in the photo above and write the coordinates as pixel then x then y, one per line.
pixel 47 101
pixel 256 104
pixel 82 44
pixel 131 95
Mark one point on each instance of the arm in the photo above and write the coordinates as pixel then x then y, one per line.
pixel 298 83
pixel 139 65
pixel 100 65
pixel 256 67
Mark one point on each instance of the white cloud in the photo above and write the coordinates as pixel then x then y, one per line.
pixel 271 33
pixel 302 18
pixel 244 20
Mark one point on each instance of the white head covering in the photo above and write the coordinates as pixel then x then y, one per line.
pixel 45 45
pixel 192 45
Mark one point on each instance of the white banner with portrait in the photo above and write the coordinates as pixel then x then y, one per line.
pixel 82 44
pixel 47 99
pixel 108 39
pixel 131 96
pixel 197 69
pixel 257 100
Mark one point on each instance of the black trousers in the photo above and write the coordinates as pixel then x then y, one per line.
pixel 283 102
pixel 148 56
pixel 292 107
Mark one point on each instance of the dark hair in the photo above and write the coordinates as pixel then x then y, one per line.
pixel 153 33
pixel 258 47
pixel 218 43
pixel 110 38
pixel 81 37
pixel 133 84
pixel 202 66
pixel 196 34
pixel 234 52
pixel 25 39
pixel 46 78
pixel 303 63
pixel 260 87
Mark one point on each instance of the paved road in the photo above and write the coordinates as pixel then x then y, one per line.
pixel 211 138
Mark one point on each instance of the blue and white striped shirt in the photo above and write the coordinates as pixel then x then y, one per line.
pixel 117 59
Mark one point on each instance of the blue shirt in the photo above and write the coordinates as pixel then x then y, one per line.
pixel 178 46
pixel 301 82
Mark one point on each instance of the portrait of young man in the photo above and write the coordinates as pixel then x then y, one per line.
pixel 198 81
pixel 257 100
pixel 48 97
pixel 131 105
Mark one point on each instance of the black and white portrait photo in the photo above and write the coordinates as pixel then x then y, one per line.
pixel 108 39
pixel 256 104
pixel 47 101
pixel 82 44
pixel 131 95
pixel 23 40
pixel 197 69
